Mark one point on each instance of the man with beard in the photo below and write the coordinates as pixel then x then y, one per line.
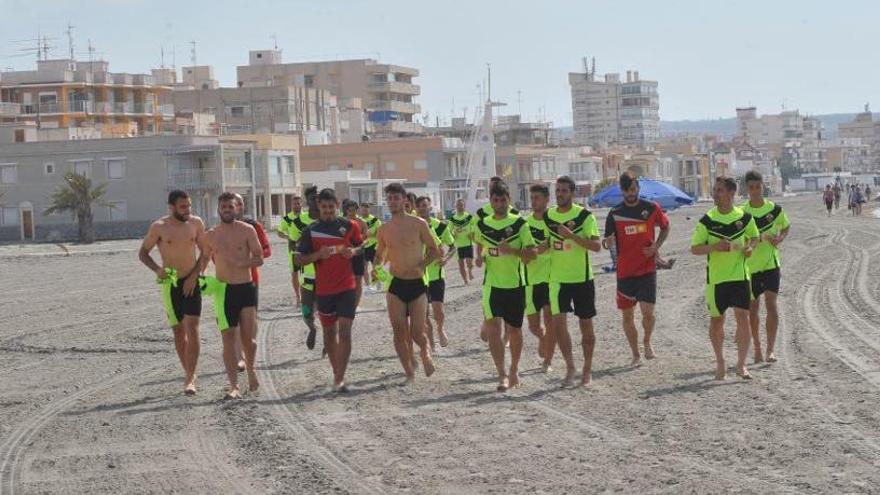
pixel 177 235
pixel 235 249
pixel 255 272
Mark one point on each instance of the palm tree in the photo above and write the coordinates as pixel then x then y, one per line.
pixel 77 196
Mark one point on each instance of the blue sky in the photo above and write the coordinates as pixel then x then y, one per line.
pixel 708 56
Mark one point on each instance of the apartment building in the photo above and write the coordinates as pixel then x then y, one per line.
pixel 74 94
pixel 609 111
pixel 140 172
pixel 387 91
pixel 863 132
pixel 790 137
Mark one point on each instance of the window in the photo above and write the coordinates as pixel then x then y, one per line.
pixel 333 166
pixel 8 174
pixel 369 167
pixel 48 169
pixel 390 166
pixel 9 216
pixel 290 164
pixel 274 165
pixel 48 98
pixel 236 111
pixel 420 164
pixel 83 167
pixel 115 168
pixel 118 211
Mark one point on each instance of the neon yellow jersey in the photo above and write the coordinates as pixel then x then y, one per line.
pixel 373 223
pixel 443 237
pixel 294 232
pixel 736 226
pixel 770 219
pixel 462 227
pixel 569 261
pixel 538 270
pixel 503 271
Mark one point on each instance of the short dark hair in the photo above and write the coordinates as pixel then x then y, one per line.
pixel 327 194
pixel 310 191
pixel 176 194
pixel 395 188
pixel 627 180
pixel 347 204
pixel 421 199
pixel 499 190
pixel 729 183
pixel 495 178
pixel 225 196
pixel 364 205
pixel 754 175
pixel 541 189
pixel 564 179
pixel 296 196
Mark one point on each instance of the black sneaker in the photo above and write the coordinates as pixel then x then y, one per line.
pixel 310 340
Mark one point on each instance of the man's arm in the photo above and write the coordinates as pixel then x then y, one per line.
pixel 264 240
pixel 433 252
pixel 152 238
pixel 256 250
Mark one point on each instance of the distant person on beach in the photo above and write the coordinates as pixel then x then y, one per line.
pixel 462 225
pixel 177 235
pixel 727 235
pixel 283 227
pixel 630 227
pixel 828 197
pixel 837 192
pixel 773 226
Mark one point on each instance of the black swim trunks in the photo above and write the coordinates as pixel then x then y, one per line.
pixel 407 290
pixel 237 297
pixel 177 305
pixel 436 290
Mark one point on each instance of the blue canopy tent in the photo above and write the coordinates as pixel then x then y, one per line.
pixel 666 195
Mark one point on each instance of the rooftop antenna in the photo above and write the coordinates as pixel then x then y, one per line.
pixel 45 47
pixel 519 102
pixel 69 32
pixel 174 57
pixel 192 53
pixel 161 56
pixel 489 85
pixel 275 39
pixel 593 70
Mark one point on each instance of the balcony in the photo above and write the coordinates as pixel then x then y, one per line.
pixel 237 176
pixel 123 107
pixel 80 106
pixel 193 180
pixel 285 181
pixel 9 109
pixel 397 126
pixel 395 87
pixel 144 107
pixel 40 108
pixel 395 106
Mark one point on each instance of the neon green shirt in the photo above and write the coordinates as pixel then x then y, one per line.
pixel 770 219
pixel 462 227
pixel 373 224
pixel 443 237
pixel 538 270
pixel 569 261
pixel 294 232
pixel 503 271
pixel 738 227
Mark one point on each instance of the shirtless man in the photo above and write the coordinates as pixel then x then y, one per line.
pixel 406 241
pixel 255 272
pixel 235 249
pixel 177 235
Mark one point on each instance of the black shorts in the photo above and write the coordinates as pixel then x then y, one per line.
pixel 407 290
pixel 829 203
pixel 370 253
pixel 357 265
pixel 238 297
pixel 768 280
pixel 181 305
pixel 721 297
pixel 636 289
pixel 579 297
pixel 466 252
pixel 537 296
pixel 342 304
pixel 507 304
pixel 437 290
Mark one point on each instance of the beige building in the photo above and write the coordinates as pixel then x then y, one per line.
pixel 386 91
pixel 799 139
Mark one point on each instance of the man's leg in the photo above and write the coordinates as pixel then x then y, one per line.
pixel 716 336
pixel 418 310
pixel 328 331
pixel 461 270
pixel 440 317
pixel 402 341
pixel 193 347
pixel 549 338
pixel 180 338
pixel 648 322
pixel 588 341
pixel 248 328
pixel 496 348
pixel 534 321
pixel 343 351
pixel 632 335
pixel 358 291
pixel 429 328
pixel 516 346
pixel 564 339
pixel 470 268
pixel 308 314
pixel 754 324
pixel 230 361
pixel 294 279
pixel 770 299
pixel 743 335
pixel 239 351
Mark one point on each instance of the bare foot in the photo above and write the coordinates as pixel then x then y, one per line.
pixel 545 367
pixel 410 381
pixel 503 384
pixel 340 388
pixel 233 394
pixel 587 380
pixel 415 363
pixel 514 380
pixel 444 339
pixel 771 357
pixel 428 364
pixel 253 381
pixel 569 378
pixel 721 373
pixel 649 352
pixel 759 357
pixel 744 373
pixel 190 389
pixel 241 365
pixel 636 361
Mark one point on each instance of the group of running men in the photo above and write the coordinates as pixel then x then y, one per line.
pixel 536 268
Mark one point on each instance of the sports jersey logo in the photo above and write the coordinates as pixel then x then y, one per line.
pixel 644 213
pixel 493 251
pixel 635 229
pixel 342 230
pixel 558 245
pixel 570 224
pixel 739 224
pixel 508 231
pixel 769 217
